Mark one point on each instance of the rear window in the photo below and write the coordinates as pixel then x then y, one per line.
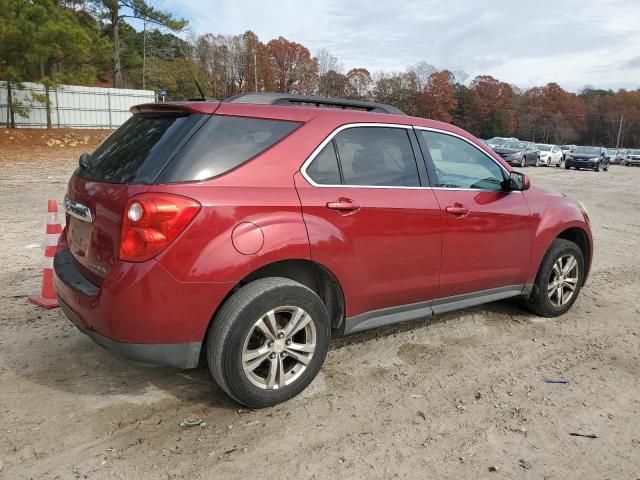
pixel 223 143
pixel 140 149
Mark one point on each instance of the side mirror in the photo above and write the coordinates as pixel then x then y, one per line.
pixel 516 182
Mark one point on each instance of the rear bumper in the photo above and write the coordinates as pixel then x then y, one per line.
pixel 179 355
pixel 140 312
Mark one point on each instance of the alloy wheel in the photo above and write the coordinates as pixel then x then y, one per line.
pixel 279 347
pixel 563 280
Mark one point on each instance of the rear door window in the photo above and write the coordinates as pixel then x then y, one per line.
pixel 377 156
pixel 224 143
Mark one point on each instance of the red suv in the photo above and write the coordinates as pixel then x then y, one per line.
pixel 246 233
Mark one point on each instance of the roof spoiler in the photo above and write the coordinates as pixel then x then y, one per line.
pixel 176 108
pixel 268 98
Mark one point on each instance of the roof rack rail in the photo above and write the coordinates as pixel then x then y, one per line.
pixel 268 98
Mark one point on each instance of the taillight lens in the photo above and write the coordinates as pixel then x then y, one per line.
pixel 151 221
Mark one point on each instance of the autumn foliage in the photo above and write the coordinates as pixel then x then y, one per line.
pixel 73 41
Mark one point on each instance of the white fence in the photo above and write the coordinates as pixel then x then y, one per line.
pixel 72 106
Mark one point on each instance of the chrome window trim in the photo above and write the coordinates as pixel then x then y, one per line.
pixel 319 148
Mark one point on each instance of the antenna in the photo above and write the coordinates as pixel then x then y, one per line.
pixel 186 64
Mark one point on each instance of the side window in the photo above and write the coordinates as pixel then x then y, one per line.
pixel 377 156
pixel 324 168
pixel 460 165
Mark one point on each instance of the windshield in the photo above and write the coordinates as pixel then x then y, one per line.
pixel 544 148
pixel 633 152
pixel 588 150
pixel 495 141
pixel 514 145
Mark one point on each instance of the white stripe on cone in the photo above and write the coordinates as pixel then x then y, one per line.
pixel 47 262
pixel 51 239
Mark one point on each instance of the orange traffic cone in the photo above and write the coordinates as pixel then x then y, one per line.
pixel 47 297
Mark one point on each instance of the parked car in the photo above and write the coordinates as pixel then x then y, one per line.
pixel 520 154
pixel 550 155
pixel 244 234
pixel 619 158
pixel 497 141
pixel 566 149
pixel 592 158
pixel 632 158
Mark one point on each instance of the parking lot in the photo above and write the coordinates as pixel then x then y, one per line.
pixel 460 396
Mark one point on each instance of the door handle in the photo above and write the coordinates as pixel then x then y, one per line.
pixel 457 209
pixel 343 205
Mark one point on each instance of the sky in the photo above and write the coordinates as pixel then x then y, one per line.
pixel 572 42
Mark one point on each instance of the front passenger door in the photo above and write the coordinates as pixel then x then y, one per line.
pixel 486 231
pixel 371 218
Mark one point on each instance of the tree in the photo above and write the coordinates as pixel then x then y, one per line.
pixel 63 45
pixel 334 84
pixel 295 70
pixel 328 68
pixel 116 10
pixel 64 51
pixel 422 71
pixel 360 82
pixel 439 97
pixel 491 106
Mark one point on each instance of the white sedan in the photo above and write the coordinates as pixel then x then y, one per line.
pixel 550 155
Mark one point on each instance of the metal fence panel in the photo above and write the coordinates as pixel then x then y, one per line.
pixel 72 106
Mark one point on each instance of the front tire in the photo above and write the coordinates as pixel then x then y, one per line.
pixel 559 280
pixel 268 341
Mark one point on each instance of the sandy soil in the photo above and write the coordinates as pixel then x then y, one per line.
pixel 448 398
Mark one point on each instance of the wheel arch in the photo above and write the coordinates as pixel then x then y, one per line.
pixel 307 272
pixel 572 231
pixel 580 237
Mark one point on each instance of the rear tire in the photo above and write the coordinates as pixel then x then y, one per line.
pixel 260 321
pixel 523 162
pixel 545 299
pixel 567 166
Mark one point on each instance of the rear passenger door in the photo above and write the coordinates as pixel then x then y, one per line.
pixel 369 217
pixel 486 231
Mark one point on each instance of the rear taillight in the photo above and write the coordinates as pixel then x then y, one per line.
pixel 151 221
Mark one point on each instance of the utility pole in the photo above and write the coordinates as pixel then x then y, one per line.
pixel 619 132
pixel 255 69
pixel 144 50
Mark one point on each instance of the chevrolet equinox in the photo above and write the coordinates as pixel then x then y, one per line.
pixel 246 233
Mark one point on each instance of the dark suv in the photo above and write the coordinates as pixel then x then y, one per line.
pixel 244 234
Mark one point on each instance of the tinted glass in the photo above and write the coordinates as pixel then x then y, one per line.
pixel 544 148
pixel 324 168
pixel 588 150
pixel 377 156
pixel 222 144
pixel 138 150
pixel 514 145
pixel 460 165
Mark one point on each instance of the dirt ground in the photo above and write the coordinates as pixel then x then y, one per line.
pixel 446 398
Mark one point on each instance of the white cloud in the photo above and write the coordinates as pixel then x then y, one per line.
pixel 572 42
